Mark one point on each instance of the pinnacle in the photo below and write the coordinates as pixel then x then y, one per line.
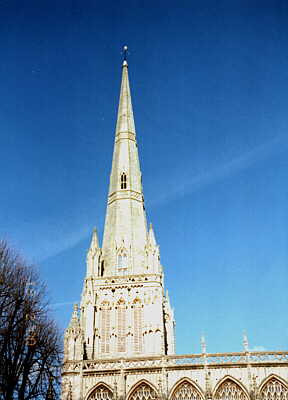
pixel 94 241
pixel 151 235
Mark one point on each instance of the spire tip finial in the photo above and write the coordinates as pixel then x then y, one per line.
pixel 125 53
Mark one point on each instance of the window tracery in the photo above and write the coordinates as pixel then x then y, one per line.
pixel 121 326
pixel 229 390
pixel 123 181
pixel 186 391
pixel 101 393
pixel 105 327
pixel 138 322
pixel 274 390
pixel 143 392
pixel 122 261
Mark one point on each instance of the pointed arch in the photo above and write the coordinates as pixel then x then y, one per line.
pixel 230 388
pixel 100 392
pixel 273 387
pixel 122 261
pixel 123 180
pixel 186 389
pixel 143 390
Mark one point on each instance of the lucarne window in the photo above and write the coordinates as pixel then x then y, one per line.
pixel 123 181
pixel 122 262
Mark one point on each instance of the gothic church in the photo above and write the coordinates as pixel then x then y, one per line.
pixel 120 344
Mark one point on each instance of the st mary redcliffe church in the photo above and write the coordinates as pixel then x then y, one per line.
pixel 120 343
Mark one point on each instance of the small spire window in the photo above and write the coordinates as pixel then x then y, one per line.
pixel 123 181
pixel 122 264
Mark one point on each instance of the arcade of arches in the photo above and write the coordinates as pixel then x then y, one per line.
pixel 273 389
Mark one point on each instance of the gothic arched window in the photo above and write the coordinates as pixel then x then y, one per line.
pixel 138 322
pixel 143 392
pixel 123 181
pixel 230 390
pixel 274 390
pixel 105 327
pixel 121 326
pixel 101 393
pixel 122 262
pixel 186 391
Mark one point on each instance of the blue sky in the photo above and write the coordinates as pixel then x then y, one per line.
pixel 209 83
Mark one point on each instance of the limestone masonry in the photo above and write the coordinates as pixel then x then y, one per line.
pixel 120 344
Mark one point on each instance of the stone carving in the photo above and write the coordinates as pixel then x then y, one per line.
pixel 186 391
pixel 143 392
pixel 229 390
pixel 101 393
pixel 274 390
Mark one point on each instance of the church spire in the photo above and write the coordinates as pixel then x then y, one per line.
pixel 123 310
pixel 125 231
pixel 125 119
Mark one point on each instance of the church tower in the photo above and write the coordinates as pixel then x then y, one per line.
pixel 124 311
pixel 119 344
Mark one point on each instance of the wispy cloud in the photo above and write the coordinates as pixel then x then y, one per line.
pixel 224 171
pixel 61 241
pixel 69 236
pixel 57 305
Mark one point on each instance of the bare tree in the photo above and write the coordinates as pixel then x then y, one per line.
pixel 30 343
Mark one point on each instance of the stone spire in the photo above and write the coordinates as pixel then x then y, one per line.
pixel 125 231
pixel 125 118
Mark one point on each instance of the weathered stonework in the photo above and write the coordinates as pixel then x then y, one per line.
pixel 120 344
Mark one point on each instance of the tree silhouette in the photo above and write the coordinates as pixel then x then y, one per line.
pixel 30 343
